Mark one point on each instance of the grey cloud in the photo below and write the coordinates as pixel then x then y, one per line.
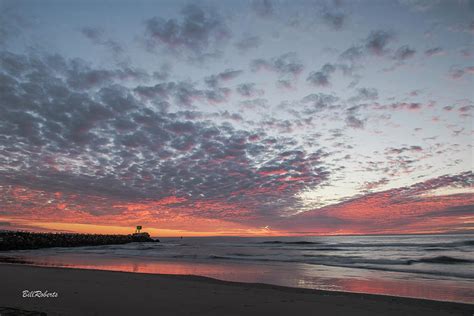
pixel 230 116
pixel 403 53
pixel 368 186
pixel 374 44
pixel 466 108
pixel 77 73
pixel 185 93
pixel 286 64
pixel 282 126
pixel 285 83
pixel 318 78
pixel 115 143
pixel 401 150
pixel 435 51
pixel 458 72
pixel 318 102
pixel 321 78
pixel 351 117
pixel 334 20
pixel 12 21
pixel 197 35
pixel 365 94
pixel 412 106
pixel 82 78
pixel 91 78
pixel 263 8
pixel 163 73
pixel 97 37
pixel 94 34
pixel 228 74
pixel 217 95
pixel 248 42
pixel 465 52
pixel 181 94
pixel 161 90
pixel 352 53
pixel 254 104
pixel 465 26
pixel 249 90
pixel 420 5
pixel 354 122
pixel 377 41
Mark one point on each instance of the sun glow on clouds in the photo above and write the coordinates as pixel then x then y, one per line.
pixel 225 229
pixel 409 210
pixel 406 210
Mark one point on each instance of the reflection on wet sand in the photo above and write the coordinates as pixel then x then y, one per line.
pixel 300 275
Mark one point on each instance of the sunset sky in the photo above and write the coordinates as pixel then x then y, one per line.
pixel 237 117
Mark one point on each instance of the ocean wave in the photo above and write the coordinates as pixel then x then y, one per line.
pixel 342 260
pixel 383 245
pixel 427 246
pixel 362 263
pixel 238 258
pixel 146 248
pixel 440 260
pixel 307 258
pixel 241 254
pixel 408 245
pixel 324 249
pixel 17 260
pixel 434 249
pixel 185 256
pixel 291 242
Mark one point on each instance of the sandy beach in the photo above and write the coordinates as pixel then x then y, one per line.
pixel 92 292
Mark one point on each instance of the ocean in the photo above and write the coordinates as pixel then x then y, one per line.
pixel 439 267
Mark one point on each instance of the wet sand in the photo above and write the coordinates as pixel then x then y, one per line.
pixel 93 292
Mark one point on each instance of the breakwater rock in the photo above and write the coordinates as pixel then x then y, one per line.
pixel 25 240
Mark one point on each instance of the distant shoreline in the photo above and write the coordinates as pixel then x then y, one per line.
pixel 85 292
pixel 262 236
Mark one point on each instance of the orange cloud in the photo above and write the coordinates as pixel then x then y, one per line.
pixel 415 209
pixel 391 212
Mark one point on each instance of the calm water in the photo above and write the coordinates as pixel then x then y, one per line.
pixel 437 267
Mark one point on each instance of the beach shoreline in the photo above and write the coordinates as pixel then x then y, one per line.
pixel 99 292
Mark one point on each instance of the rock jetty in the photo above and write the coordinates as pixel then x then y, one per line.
pixel 11 240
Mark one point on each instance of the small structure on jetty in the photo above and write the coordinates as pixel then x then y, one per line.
pixel 138 235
